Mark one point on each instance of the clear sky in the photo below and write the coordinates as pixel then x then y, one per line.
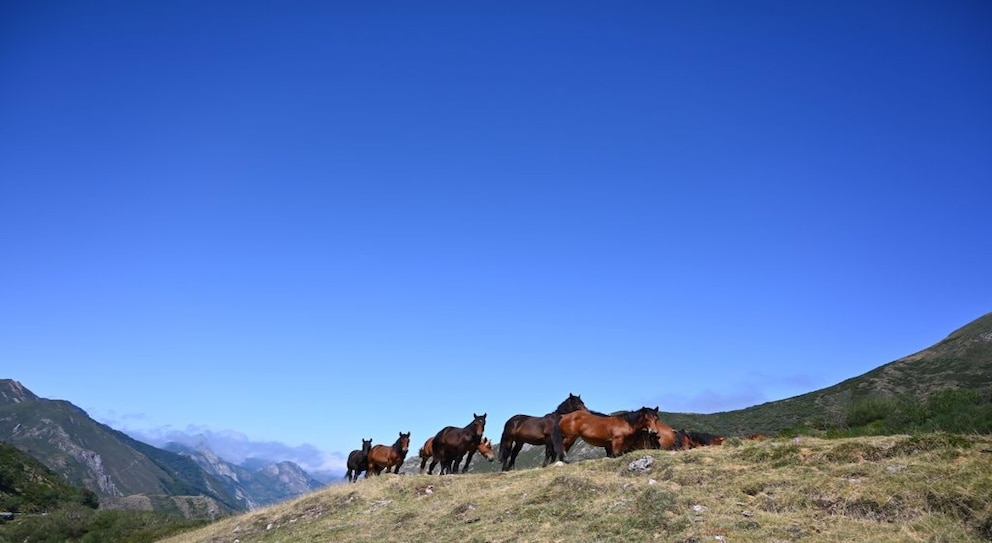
pixel 317 222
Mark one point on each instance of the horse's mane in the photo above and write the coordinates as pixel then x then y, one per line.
pixel 630 416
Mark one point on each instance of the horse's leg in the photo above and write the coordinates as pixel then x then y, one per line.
pixel 559 442
pixel 566 445
pixel 423 463
pixel 513 455
pixel 430 470
pixel 440 458
pixel 505 446
pixel 614 447
pixel 549 453
pixel 468 461
pixel 505 453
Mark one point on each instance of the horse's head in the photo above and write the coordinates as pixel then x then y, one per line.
pixel 572 403
pixel 479 424
pixel 366 446
pixel 404 442
pixel 486 449
pixel 647 419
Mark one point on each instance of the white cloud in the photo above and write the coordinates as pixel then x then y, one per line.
pixel 755 389
pixel 234 446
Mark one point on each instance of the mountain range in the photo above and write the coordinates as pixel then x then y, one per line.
pixel 128 474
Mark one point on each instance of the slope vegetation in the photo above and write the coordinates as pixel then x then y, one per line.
pixel 934 487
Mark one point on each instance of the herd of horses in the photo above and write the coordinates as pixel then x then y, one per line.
pixel 558 430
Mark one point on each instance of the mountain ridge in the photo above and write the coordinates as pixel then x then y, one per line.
pixel 127 473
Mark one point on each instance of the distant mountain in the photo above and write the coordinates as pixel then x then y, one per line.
pixel 130 474
pixel 256 485
pixel 124 472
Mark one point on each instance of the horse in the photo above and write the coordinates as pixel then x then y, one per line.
pixel 485 448
pixel 520 429
pixel 691 439
pixel 598 430
pixel 452 443
pixel 388 457
pixel 358 461
pixel 659 436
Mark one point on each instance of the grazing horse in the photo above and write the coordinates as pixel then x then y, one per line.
pixel 358 461
pixel 520 429
pixel 485 448
pixel 660 436
pixel 452 443
pixel 691 439
pixel 386 457
pixel 607 431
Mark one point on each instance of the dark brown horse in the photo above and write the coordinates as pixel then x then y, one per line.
pixel 452 443
pixel 388 457
pixel 358 461
pixel 485 448
pixel 520 429
pixel 598 430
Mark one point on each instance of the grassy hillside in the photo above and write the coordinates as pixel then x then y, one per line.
pixel 962 361
pixel 956 370
pixel 933 487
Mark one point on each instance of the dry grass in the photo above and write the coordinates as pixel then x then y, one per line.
pixel 931 488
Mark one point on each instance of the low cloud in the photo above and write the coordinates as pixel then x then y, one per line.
pixel 238 448
pixel 756 388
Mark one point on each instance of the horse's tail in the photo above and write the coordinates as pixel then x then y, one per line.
pixel 557 441
pixel 505 444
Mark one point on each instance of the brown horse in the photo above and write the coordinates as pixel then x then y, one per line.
pixel 607 431
pixel 520 429
pixel 452 443
pixel 388 457
pixel 485 448
pixel 691 439
pixel 659 436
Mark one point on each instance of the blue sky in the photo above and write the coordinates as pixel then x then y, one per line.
pixel 317 222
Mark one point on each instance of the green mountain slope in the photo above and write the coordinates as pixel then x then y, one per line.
pixel 28 486
pixel 963 360
pixel 90 454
